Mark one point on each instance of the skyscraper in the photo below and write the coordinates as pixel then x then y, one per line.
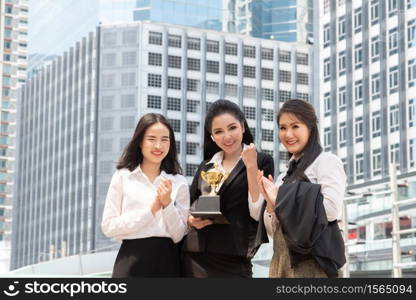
pixel 13 50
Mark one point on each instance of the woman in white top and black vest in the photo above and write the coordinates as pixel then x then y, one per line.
pixel 305 203
pixel 147 203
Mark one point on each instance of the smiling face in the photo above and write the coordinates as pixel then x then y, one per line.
pixel 155 144
pixel 293 133
pixel 227 133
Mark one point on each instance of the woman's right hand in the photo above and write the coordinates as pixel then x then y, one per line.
pixel 268 189
pixel 198 223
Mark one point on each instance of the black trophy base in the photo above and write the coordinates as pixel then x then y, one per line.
pixel 216 216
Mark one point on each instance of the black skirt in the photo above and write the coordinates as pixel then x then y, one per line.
pixel 203 265
pixel 147 257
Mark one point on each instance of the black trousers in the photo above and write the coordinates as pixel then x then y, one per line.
pixel 147 257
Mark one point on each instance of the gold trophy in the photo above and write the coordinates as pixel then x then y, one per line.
pixel 208 206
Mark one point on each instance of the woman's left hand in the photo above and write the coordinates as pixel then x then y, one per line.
pixel 249 156
pixel 164 192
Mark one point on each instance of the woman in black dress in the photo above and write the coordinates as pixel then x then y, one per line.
pixel 225 250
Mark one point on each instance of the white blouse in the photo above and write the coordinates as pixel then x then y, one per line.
pixel 127 212
pixel 254 207
pixel 328 171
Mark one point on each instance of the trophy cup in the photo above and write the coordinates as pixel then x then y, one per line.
pixel 208 206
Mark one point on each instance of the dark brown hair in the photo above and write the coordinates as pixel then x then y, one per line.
pixel 132 155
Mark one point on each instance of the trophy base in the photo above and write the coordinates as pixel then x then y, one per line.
pixel 216 216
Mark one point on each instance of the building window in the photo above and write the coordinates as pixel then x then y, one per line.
pixel 191 169
pixel 375 48
pixel 411 73
pixel 213 46
pixel 128 100
pixel 358 16
pixel 174 83
pixel 191 148
pixel 174 41
pixel 128 79
pixel 127 122
pixel 231 49
pixel 109 39
pixel 192 85
pixel 411 33
pixel 341 28
pixel 327 104
pixel 342 63
pixel 359 131
pixel 267 54
pixel 212 87
pixel 154 101
pixel 249 71
pixel 376 162
pixel 154 80
pixel 412 112
pixel 250 112
pixel 412 152
pixel 230 89
pixel 174 61
pixel 302 78
pixel 249 51
pixel 327 138
pixel 394 118
pixel 342 98
pixel 327 35
pixel 174 104
pixel 194 64
pixel 267 135
pixel 178 147
pixel 231 69
pixel 109 59
pixel 303 96
pixel 108 80
pixel 129 37
pixel 411 4
pixel 376 124
pixel 285 76
pixel 284 96
pixel 358 56
pixel 284 56
pixel 342 134
pixel 249 92
pixel 194 44
pixel 106 167
pixel 392 7
pixel 327 69
pixel 393 41
pixel 267 74
pixel 176 125
pixel 359 166
pixel 267 94
pixel 155 38
pixel 192 106
pixel 375 86
pixel 213 66
pixel 394 79
pixel 155 59
pixel 128 58
pixel 106 123
pixel 107 102
pixel 192 127
pixel 302 59
pixel 374 12
pixel 394 154
pixel 267 114
pixel 358 92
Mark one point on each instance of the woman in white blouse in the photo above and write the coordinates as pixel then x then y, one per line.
pixel 298 132
pixel 147 203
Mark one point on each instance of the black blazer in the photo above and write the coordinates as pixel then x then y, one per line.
pixel 238 237
pixel 306 229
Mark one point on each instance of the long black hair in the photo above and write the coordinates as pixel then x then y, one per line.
pixel 216 109
pixel 305 113
pixel 132 155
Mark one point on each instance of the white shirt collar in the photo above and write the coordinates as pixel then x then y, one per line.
pixel 139 171
pixel 219 157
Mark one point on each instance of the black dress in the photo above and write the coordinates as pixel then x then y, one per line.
pixel 220 250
